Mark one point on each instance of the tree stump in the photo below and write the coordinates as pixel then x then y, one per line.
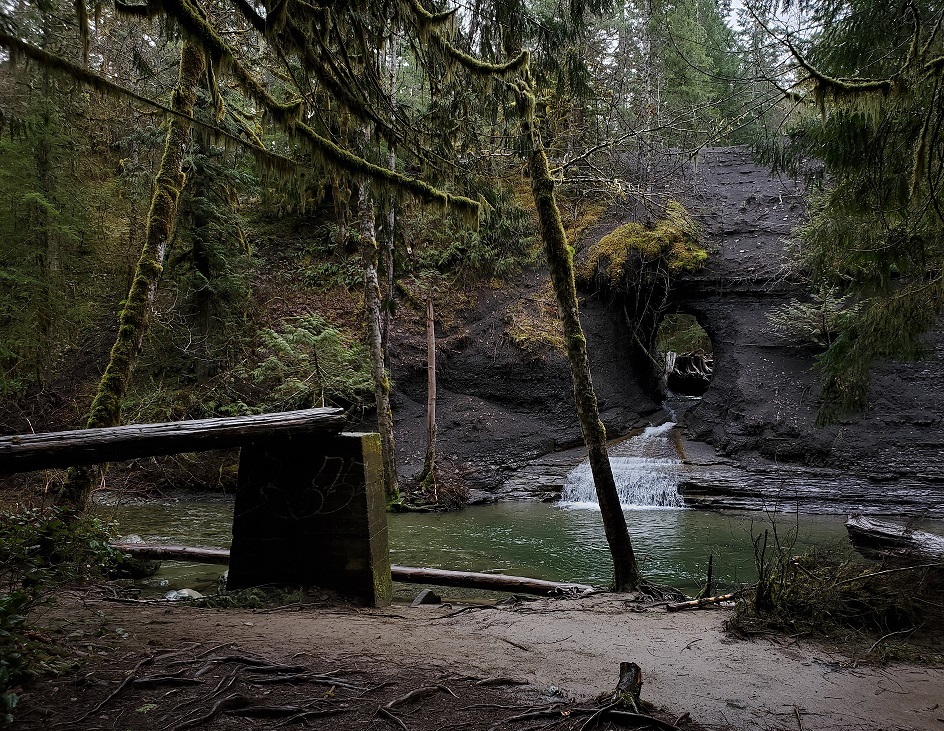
pixel 629 686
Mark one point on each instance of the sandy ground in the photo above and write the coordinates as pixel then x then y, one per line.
pixel 688 662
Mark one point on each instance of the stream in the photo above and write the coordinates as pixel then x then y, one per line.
pixel 561 542
pixel 541 540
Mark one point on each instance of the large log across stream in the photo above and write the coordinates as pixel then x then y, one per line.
pixel 26 452
pixel 406 574
pixel 882 540
pixel 309 507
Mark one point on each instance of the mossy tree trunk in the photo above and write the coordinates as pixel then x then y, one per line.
pixel 393 63
pixel 626 576
pixel 133 320
pixel 368 246
pixel 389 302
pixel 427 479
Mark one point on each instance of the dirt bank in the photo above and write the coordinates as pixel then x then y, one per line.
pixel 559 650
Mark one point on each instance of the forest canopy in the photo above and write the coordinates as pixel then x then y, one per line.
pixel 279 122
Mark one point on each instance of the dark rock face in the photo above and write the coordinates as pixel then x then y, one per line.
pixel 765 392
pixel 508 426
pixel 499 407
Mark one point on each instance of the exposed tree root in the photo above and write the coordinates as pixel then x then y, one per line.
pixel 210 687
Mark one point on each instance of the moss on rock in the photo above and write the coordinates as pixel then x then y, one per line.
pixel 672 244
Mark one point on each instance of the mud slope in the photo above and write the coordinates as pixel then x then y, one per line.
pixel 506 414
pixel 501 405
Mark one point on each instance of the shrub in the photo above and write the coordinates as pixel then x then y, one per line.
pixel 307 363
pixel 842 598
pixel 40 551
pixel 817 322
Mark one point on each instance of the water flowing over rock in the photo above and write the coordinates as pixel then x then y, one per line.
pixel 646 468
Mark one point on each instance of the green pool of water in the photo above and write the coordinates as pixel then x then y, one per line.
pixel 531 539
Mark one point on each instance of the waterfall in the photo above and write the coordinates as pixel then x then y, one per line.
pixel 645 468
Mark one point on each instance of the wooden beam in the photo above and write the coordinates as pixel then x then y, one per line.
pixel 27 452
pixel 406 574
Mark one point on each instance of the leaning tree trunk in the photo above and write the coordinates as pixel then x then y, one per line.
pixel 368 245
pixel 626 575
pixel 133 321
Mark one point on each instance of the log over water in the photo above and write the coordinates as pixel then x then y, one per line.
pixel 406 574
pixel 879 539
pixel 27 452
pixel 173 552
pixel 494 582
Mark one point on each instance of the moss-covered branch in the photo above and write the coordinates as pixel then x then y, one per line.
pixel 58 65
pixel 289 116
pixel 133 320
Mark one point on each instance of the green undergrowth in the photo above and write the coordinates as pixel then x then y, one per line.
pixel 816 322
pixel 260 597
pixel 300 362
pixel 875 612
pixel 41 551
pixel 504 243
pixel 533 324
pixel 681 333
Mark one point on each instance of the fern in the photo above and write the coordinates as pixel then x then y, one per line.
pixel 308 363
pixel 817 322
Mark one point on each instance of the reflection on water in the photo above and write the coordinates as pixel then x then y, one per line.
pixel 531 539
pixel 190 522
pixel 547 542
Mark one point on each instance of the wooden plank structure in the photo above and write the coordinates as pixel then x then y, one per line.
pixel 310 505
pixel 26 452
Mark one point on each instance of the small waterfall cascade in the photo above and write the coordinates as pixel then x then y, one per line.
pixel 646 468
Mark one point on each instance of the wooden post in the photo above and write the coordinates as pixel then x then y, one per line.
pixel 312 512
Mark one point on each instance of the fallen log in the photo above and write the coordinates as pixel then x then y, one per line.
pixel 406 574
pixel 883 540
pixel 25 452
pixel 495 582
pixel 696 603
pixel 170 552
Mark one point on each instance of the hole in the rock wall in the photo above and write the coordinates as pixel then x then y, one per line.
pixel 685 351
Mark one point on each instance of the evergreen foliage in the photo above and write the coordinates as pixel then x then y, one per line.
pixel 869 83
pixel 681 333
pixel 49 198
pixel 816 322
pixel 307 363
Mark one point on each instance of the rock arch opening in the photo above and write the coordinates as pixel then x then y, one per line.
pixel 686 354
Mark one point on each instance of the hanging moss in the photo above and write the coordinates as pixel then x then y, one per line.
pixel 271 163
pixel 289 115
pixel 133 320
